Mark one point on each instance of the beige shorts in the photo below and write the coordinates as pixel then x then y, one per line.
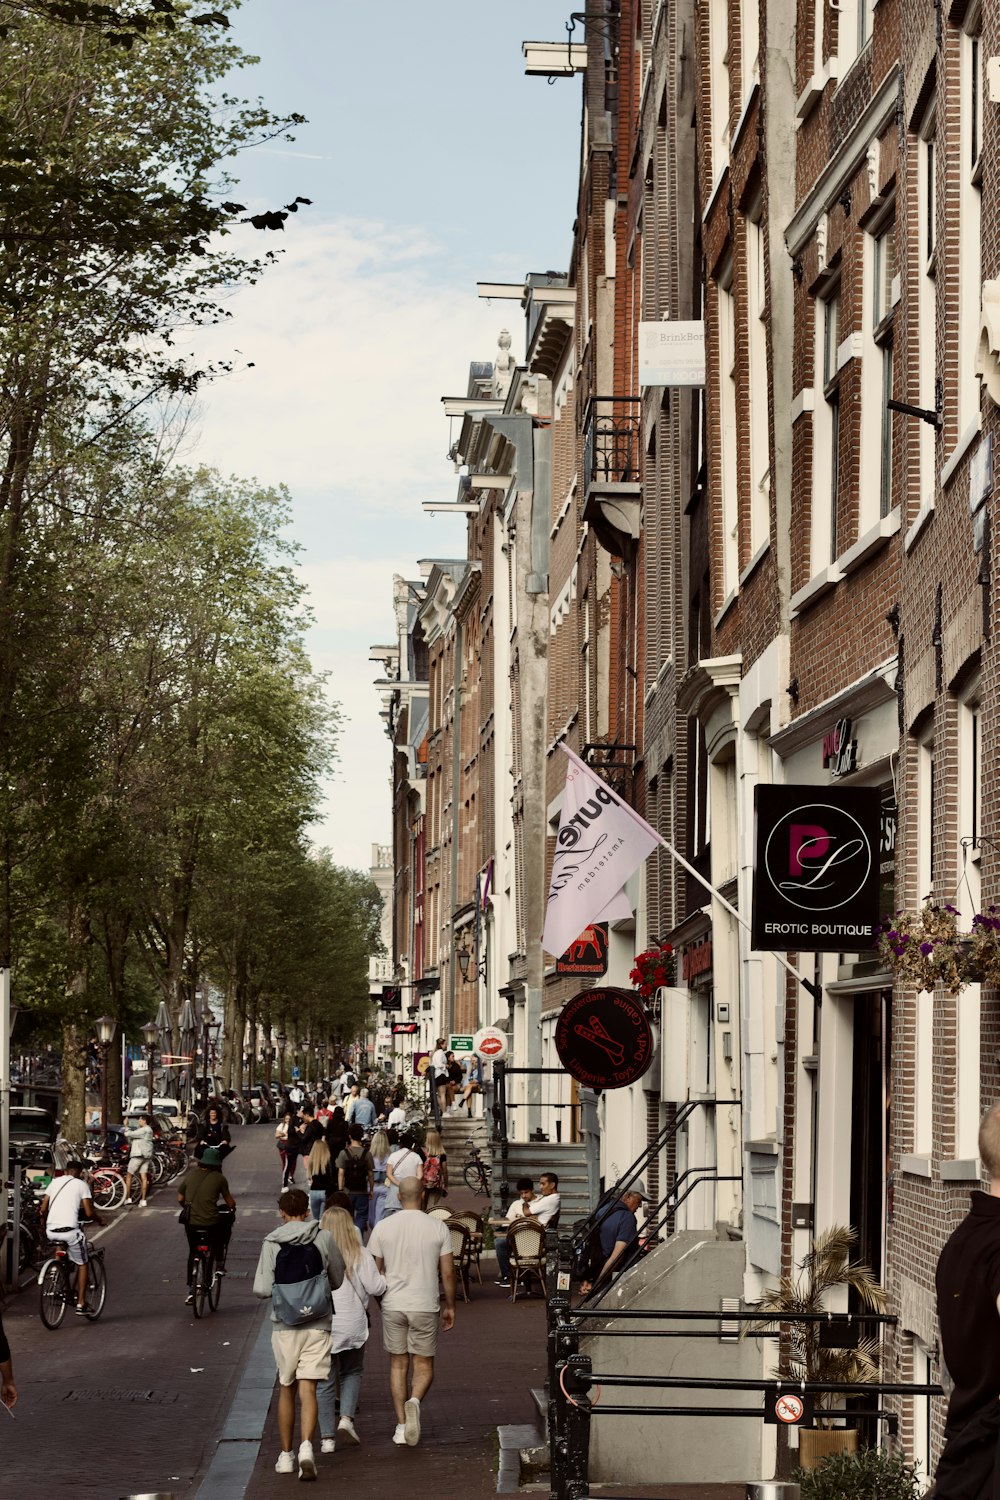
pixel 301 1353
pixel 410 1332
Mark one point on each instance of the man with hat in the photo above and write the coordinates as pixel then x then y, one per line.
pixel 619 1231
pixel 200 1192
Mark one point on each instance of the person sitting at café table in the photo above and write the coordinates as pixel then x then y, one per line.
pixel 526 1205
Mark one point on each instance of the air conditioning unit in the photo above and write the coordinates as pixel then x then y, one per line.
pixel 675 1045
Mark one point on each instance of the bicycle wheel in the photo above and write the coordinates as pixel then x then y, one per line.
pixel 215 1287
pixel 54 1294
pixel 97 1286
pixel 201 1285
pixel 475 1177
pixel 104 1188
pixel 157 1167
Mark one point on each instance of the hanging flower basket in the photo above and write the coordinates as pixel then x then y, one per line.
pixel 926 950
pixel 652 969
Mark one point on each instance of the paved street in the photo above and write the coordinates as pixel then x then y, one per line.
pixel 149 1400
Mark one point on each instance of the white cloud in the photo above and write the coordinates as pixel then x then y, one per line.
pixel 354 337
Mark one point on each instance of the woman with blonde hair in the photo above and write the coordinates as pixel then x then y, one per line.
pixel 322 1176
pixel 435 1170
pixel 348 1330
pixel 380 1149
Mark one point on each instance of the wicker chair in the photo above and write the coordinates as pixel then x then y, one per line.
pixel 439 1213
pixel 461 1249
pixel 526 1239
pixel 474 1224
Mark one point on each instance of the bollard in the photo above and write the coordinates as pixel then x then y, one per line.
pixel 772 1489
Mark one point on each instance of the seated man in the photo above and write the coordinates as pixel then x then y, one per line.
pixel 619 1234
pixel 528 1206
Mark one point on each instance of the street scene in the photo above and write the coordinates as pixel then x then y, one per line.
pixel 499 845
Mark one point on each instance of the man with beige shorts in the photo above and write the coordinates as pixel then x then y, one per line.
pixel 410 1249
pixel 299 1264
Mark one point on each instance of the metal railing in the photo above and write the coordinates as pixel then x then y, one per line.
pixel 611 440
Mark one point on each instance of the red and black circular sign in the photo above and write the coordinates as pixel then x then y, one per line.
pixel 603 1037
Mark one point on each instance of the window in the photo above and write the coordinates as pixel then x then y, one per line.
pixel 969 222
pixel 923 1102
pixel 718 30
pixel 876 496
pixel 728 435
pixel 831 317
pixel 826 433
pixel 759 527
pixel 926 301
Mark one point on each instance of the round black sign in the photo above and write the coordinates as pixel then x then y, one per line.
pixel 603 1037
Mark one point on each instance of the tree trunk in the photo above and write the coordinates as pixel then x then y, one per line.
pixel 72 1120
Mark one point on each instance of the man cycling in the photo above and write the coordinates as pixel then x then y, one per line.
pixel 201 1190
pixel 66 1197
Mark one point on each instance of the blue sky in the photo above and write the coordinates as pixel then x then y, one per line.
pixel 432 163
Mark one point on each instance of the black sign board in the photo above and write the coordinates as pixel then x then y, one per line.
pixel 788 1408
pixel 604 1039
pixel 816 868
pixel 405 1028
pixel 587 954
pixel 392 997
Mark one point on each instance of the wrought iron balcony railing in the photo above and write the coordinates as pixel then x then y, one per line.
pixel 611 441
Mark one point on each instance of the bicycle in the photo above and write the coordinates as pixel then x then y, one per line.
pixel 205 1286
pixel 57 1281
pixel 478 1174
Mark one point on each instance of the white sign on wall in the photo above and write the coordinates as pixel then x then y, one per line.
pixel 671 353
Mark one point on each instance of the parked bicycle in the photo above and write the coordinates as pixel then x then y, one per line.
pixel 477 1172
pixel 57 1280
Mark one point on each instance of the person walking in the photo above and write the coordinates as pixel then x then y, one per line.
pixel 379 1149
pixel 140 1159
pixel 968 1302
pixel 356 1175
pixel 435 1171
pixel 403 1163
pixel 199 1193
pixel 362 1111
pixel 323 1178
pixel 439 1068
pixel 336 1131
pixel 293 1146
pixel 281 1141
pixel 348 1331
pixel 411 1249
pixel 299 1269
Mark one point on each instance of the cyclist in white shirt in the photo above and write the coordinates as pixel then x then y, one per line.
pixel 66 1198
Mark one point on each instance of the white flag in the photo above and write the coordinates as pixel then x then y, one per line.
pixel 600 843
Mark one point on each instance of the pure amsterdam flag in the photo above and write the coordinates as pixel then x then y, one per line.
pixel 600 843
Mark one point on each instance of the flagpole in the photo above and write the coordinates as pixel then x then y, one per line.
pixel 808 984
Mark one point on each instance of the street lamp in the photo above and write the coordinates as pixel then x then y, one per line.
pixel 150 1033
pixel 106 1026
pixel 281 1039
pixel 465 956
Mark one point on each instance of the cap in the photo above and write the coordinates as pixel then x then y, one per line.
pixel 211 1157
pixel 639 1188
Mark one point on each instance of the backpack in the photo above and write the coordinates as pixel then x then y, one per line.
pixel 432 1172
pixel 301 1291
pixel 588 1257
pixel 355 1172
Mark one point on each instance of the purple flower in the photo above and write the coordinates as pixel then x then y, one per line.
pixel 926 948
pixel 893 935
pixel 952 909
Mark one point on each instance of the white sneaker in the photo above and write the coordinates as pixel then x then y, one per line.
pixel 411 1409
pixel 285 1464
pixel 399 1436
pixel 143 1204
pixel 307 1464
pixel 346 1426
pixel 328 1445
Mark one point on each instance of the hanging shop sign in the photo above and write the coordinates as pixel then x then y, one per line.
pixel 788 1409
pixel 840 749
pixel 587 954
pixel 392 997
pixel 816 868
pixel 490 1042
pixel 671 353
pixel 604 1038
pixel 405 1028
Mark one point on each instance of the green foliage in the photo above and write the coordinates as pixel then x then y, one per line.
pixel 868 1474
pixel 828 1267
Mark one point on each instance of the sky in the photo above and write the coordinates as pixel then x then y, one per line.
pixel 432 163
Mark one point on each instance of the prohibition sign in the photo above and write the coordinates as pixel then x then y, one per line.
pixel 789 1408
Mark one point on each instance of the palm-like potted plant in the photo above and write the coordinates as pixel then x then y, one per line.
pixel 827 1268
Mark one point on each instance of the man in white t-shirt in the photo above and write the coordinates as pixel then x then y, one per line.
pixel 67 1198
pixel 396 1118
pixel 544 1208
pixel 411 1249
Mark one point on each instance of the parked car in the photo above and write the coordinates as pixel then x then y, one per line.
pixel 261 1103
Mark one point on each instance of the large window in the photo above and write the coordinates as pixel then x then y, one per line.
pixel 759 517
pixel 729 507
pixel 927 296
pixel 826 432
pixel 969 221
pixel 876 497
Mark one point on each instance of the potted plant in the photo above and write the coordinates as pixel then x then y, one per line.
pixel 925 948
pixel 652 969
pixel 828 1267
pixel 869 1474
pixel 984 947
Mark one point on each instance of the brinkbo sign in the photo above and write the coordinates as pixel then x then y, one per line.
pixel 816 868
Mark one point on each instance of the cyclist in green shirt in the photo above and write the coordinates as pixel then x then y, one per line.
pixel 200 1192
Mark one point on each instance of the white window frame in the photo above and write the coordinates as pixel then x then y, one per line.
pixel 826 431
pixel 875 489
pixel 718 41
pixel 927 296
pixel 757 383
pixel 970 219
pixel 728 436
pixel 923 1060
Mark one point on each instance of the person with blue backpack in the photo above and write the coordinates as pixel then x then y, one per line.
pixel 299 1268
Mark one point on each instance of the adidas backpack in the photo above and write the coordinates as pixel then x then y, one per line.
pixel 301 1290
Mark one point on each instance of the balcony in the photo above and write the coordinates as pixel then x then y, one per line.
pixel 611 465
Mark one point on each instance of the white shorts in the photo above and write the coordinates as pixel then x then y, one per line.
pixel 76 1242
pixel 301 1353
pixel 140 1164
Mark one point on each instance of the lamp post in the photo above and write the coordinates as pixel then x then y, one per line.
pixel 281 1039
pixel 106 1027
pixel 150 1034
